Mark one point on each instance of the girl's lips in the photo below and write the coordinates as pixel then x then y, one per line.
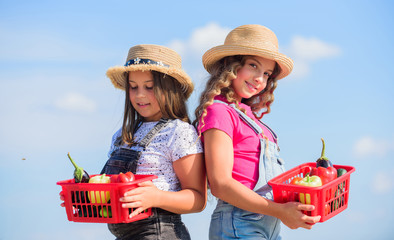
pixel 142 104
pixel 251 87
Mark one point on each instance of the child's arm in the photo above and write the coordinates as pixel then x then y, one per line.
pixel 192 198
pixel 219 158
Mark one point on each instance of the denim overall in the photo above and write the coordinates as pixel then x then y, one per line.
pixel 230 222
pixel 162 224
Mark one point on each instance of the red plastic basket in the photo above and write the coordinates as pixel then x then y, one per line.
pixel 105 206
pixel 329 199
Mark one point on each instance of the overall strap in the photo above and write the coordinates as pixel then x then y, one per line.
pixel 149 136
pixel 252 124
pixel 272 131
pixel 152 133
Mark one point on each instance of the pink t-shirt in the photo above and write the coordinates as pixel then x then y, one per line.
pixel 246 142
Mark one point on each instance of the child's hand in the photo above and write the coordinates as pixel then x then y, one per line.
pixel 294 218
pixel 143 197
pixel 61 198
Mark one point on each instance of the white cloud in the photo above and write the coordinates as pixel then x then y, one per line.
pixel 76 102
pixel 56 120
pixel 367 146
pixel 305 51
pixel 209 36
pixel 201 40
pixel 382 183
pixel 301 69
pixel 179 46
pixel 312 49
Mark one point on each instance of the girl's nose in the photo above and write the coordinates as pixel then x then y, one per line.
pixel 140 93
pixel 259 78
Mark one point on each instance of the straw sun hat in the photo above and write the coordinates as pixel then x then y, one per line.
pixel 253 40
pixel 146 57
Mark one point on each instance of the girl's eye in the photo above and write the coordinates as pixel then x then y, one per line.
pixel 253 65
pixel 267 74
pixel 149 88
pixel 133 87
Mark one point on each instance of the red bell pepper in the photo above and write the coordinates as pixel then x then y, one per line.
pixel 126 177
pixel 122 177
pixel 326 174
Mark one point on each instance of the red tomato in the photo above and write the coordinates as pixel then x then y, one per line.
pixel 114 178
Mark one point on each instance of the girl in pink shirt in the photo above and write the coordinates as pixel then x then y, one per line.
pixel 241 152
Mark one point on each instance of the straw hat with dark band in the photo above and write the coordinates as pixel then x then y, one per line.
pixel 146 57
pixel 253 40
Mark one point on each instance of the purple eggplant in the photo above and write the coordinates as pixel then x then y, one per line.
pixel 80 175
pixel 323 161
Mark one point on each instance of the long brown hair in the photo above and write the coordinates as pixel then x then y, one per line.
pixel 169 95
pixel 219 83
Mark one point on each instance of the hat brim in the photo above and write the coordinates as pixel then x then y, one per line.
pixel 118 76
pixel 216 53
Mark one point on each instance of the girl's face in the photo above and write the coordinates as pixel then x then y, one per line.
pixel 252 77
pixel 142 95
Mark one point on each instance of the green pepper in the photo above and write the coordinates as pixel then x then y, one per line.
pixel 309 181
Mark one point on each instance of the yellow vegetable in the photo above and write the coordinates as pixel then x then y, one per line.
pixel 99 196
pixel 313 181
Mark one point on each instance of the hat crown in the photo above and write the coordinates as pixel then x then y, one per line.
pixel 150 57
pixel 254 40
pixel 253 36
pixel 156 53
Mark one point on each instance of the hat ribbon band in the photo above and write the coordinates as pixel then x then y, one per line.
pixel 137 61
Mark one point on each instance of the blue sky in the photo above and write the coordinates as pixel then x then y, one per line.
pixel 55 98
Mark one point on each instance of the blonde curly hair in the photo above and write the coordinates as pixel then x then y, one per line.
pixel 219 83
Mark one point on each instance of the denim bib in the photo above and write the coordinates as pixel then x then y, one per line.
pixel 162 223
pixel 270 165
pixel 125 159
